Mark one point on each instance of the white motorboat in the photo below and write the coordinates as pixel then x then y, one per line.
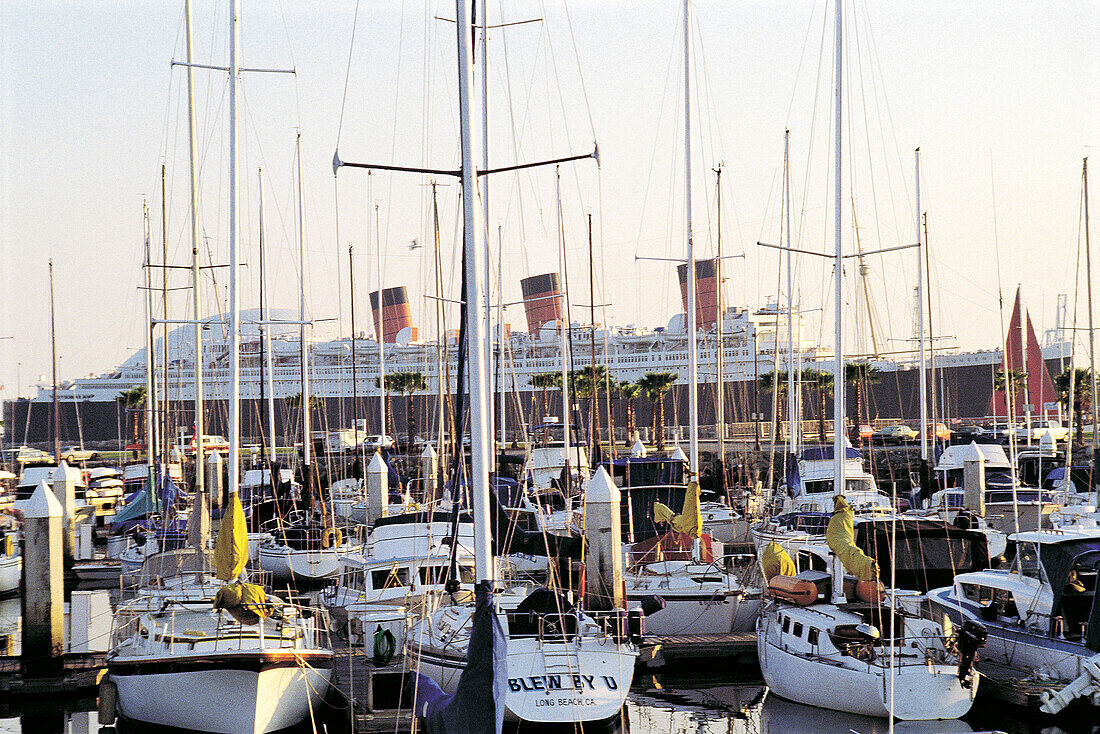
pixel 699 598
pixel 1038 612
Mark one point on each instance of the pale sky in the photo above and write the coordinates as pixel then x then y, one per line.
pixel 1000 97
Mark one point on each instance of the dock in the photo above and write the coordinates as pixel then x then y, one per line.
pixel 79 673
pixel 660 651
pixel 371 697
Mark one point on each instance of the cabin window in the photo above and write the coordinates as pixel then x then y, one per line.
pixel 977 593
pixel 786 624
pixel 1027 561
pixel 811 636
pixel 387 577
pixel 355 579
pixel 797 631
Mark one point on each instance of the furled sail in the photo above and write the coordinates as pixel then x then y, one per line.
pixel 840 535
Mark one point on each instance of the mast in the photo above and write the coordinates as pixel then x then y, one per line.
pixel 150 356
pixel 1088 283
pixel 793 432
pixel 1023 361
pixel 932 401
pixel 381 331
pixel 839 442
pixel 53 362
pixel 693 346
pixel 303 349
pixel 234 235
pixel 473 230
pixel 501 366
pixel 484 187
pixel 720 356
pixel 193 156
pixel 166 431
pixel 354 360
pixel 594 412
pixel 564 337
pixel 265 332
pixel 920 320
pixel 441 338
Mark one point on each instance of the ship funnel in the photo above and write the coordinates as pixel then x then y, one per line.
pixel 706 292
pixel 395 313
pixel 541 300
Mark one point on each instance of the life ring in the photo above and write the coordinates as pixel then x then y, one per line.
pixel 385 645
pixel 333 537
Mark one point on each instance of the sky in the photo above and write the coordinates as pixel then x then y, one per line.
pixel 1000 98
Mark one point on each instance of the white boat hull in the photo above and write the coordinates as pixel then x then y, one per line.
pixel 288 565
pixel 920 692
pixel 11 572
pixel 221 699
pixel 699 614
pixel 551 683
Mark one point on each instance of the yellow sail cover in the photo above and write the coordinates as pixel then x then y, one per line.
pixel 775 561
pixel 840 534
pixel 231 550
pixel 690 519
pixel 247 603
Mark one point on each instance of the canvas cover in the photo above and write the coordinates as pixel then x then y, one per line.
pixel 477 705
pixel 231 549
pixel 841 539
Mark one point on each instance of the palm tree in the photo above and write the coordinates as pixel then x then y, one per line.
pixel 544 381
pixel 1082 395
pixel 861 374
pixel 823 381
pixel 133 399
pixel 405 384
pixel 1016 380
pixel 629 391
pixel 655 385
pixel 768 382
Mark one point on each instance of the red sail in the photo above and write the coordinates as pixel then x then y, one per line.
pixel 1040 388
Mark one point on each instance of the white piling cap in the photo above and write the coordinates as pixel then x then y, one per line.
pixel 214 458
pixel 43 503
pixel 678 454
pixel 428 452
pixel 638 449
pixel 66 473
pixel 1046 442
pixel 377 466
pixel 601 488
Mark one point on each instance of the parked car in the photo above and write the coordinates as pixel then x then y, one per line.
pixel 76 453
pixel 373 442
pixel 26 455
pixel 896 434
pixel 209 443
pixel 939 432
pixel 967 432
pixel 1038 428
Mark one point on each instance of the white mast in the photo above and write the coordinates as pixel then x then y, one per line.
pixel 839 441
pixel 234 233
pixel 265 331
pixel 381 331
pixel 920 320
pixel 303 348
pixel 196 301
pixel 563 335
pixel 150 363
pixel 792 401
pixel 693 346
pixel 473 231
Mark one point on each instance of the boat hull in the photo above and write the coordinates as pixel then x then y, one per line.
pixel 919 695
pixel 551 683
pixel 699 613
pixel 221 694
pixel 286 564
pixel 11 571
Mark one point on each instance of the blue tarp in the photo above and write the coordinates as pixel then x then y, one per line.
pixel 477 705
pixel 825 453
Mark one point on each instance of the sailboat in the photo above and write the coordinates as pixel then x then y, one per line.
pixel 549 661
pixel 865 656
pixel 250 663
